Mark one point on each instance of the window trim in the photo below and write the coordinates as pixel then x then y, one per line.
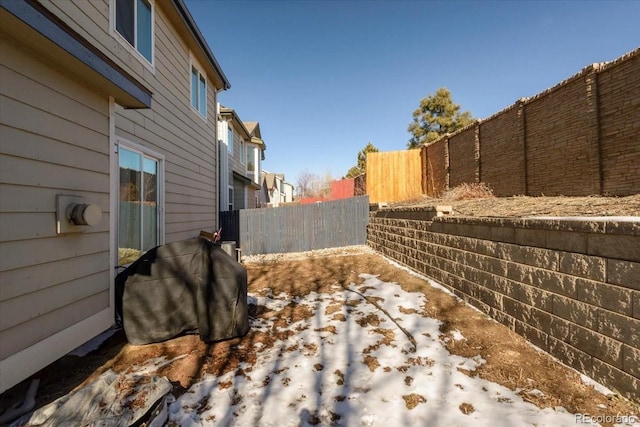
pixel 125 43
pixel 243 153
pixel 160 158
pixel 194 68
pixel 232 195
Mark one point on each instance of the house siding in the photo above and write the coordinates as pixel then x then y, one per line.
pixel 55 139
pixel 172 128
pixel 91 20
pixel 56 132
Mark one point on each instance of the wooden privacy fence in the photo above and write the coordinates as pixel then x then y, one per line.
pixel 394 176
pixel 298 228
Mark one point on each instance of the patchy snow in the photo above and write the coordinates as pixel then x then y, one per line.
pixel 457 335
pixel 377 360
pixel 597 386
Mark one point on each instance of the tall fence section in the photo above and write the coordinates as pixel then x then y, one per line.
pixel 298 228
pixel 578 138
pixel 394 176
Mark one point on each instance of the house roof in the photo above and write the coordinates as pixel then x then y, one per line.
pixel 270 179
pixel 230 112
pixel 254 128
pixel 256 136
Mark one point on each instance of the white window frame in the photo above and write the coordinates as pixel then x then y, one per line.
pixel 195 67
pixel 231 197
pixel 230 134
pixel 256 154
pixel 145 152
pixel 243 153
pixel 124 42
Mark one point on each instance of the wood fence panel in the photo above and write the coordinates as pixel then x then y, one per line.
pixel 394 176
pixel 302 228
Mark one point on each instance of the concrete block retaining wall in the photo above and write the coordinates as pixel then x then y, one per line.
pixel 570 287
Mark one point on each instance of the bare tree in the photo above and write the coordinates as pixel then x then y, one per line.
pixel 303 183
pixel 309 184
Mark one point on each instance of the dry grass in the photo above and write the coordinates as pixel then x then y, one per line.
pixel 468 191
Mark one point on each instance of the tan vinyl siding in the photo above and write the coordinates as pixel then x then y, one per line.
pixel 234 160
pixel 54 140
pixel 187 141
pixel 47 324
pixel 91 20
pixel 55 290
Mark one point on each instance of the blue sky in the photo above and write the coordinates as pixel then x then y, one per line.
pixel 326 77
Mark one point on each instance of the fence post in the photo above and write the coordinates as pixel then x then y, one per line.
pixel 522 127
pixel 476 147
pixel 591 83
pixel 447 165
pixel 425 169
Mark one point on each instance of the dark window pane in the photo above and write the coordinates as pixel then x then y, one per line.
pixel 194 88
pixel 202 93
pixel 124 19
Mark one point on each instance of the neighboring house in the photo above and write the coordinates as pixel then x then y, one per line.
pixel 288 192
pixel 104 103
pixel 241 152
pixel 255 155
pixel 276 189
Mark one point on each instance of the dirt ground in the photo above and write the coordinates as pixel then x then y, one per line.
pixel 524 206
pixel 511 361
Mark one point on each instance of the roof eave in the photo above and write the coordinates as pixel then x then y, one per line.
pixel 186 16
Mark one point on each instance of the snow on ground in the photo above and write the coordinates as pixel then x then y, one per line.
pixel 367 357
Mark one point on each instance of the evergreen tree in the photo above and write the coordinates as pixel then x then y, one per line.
pixel 436 116
pixel 361 166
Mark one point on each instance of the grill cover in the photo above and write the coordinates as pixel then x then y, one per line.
pixel 191 286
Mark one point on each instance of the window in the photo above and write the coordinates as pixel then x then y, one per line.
pixel 243 155
pixel 134 22
pixel 230 199
pixel 139 215
pixel 253 163
pixel 198 91
pixel 249 161
pixel 230 138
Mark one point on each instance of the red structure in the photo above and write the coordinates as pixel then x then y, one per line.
pixel 310 200
pixel 343 189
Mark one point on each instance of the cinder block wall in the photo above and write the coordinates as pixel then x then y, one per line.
pixel 571 288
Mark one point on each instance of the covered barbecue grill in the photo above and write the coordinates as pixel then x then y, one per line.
pixel 190 286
